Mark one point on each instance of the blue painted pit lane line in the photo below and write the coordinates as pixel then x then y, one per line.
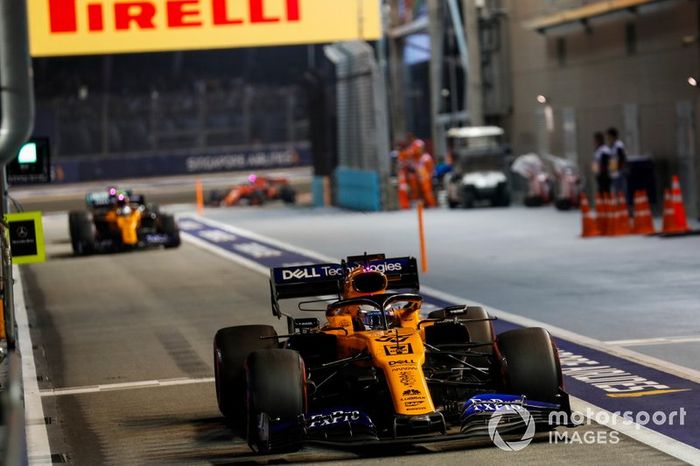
pixel 605 380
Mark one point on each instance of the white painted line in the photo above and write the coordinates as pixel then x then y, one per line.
pixel 124 386
pixel 38 450
pixel 655 341
pixel 638 432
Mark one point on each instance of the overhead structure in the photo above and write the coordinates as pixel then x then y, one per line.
pixel 75 27
pixel 585 13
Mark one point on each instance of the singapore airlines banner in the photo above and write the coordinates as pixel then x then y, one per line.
pixel 84 27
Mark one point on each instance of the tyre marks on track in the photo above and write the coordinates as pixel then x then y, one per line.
pixel 183 354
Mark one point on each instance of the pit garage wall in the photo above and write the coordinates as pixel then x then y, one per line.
pixel 607 77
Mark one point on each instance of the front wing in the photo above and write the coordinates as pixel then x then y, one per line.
pixel 348 427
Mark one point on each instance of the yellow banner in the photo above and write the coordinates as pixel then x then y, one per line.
pixel 86 27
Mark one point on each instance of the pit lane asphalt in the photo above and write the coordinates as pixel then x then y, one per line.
pixel 151 315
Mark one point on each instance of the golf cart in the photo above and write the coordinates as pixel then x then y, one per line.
pixel 480 167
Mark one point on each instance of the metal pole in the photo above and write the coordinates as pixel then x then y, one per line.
pixel 397 95
pixel 437 34
pixel 17 99
pixel 475 97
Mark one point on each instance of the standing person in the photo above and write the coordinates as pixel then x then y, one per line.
pixel 618 167
pixel 601 163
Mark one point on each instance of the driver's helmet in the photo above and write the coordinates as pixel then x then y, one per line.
pixel 122 199
pixel 372 320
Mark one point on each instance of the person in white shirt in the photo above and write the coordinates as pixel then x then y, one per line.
pixel 601 163
pixel 618 165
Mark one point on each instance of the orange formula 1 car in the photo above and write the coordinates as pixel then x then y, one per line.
pixel 256 191
pixel 377 371
pixel 118 220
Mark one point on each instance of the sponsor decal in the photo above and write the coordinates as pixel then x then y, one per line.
pixel 402 362
pixel 407 378
pixel 615 382
pixel 392 338
pixel 214 163
pixel 335 417
pixel 412 391
pixel 300 274
pixel 257 250
pixel 218 236
pixel 76 27
pixel 306 325
pixel 398 350
pixel 385 267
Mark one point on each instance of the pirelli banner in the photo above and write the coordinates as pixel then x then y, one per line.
pixel 86 27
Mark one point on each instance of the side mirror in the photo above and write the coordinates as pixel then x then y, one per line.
pixel 448 312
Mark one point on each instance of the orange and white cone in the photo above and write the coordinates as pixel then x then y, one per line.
pixel 600 213
pixel 623 216
pixel 643 221
pixel 670 225
pixel 589 226
pixel 678 206
pixel 613 215
pixel 605 215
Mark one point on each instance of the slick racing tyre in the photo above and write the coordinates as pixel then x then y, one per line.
pixel 169 227
pixel 82 233
pixel 232 345
pixel 288 195
pixel 276 384
pixel 480 331
pixel 531 364
pixel 502 196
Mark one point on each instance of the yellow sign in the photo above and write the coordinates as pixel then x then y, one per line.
pixel 85 27
pixel 26 236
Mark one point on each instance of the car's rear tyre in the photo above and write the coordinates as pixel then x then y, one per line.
pixel 502 197
pixel 276 388
pixel 232 345
pixel 479 331
pixel 169 227
pixel 469 197
pixel 82 232
pixel 288 195
pixel 531 364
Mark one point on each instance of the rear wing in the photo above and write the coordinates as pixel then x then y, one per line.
pixel 102 198
pixel 311 280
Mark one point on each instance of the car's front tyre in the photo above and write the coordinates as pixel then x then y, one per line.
pixel 232 345
pixel 531 364
pixel 276 388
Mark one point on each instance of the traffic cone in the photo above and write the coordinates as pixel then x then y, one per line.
pixel 623 216
pixel 599 214
pixel 613 214
pixel 678 206
pixel 643 221
pixel 605 213
pixel 670 225
pixel 588 220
